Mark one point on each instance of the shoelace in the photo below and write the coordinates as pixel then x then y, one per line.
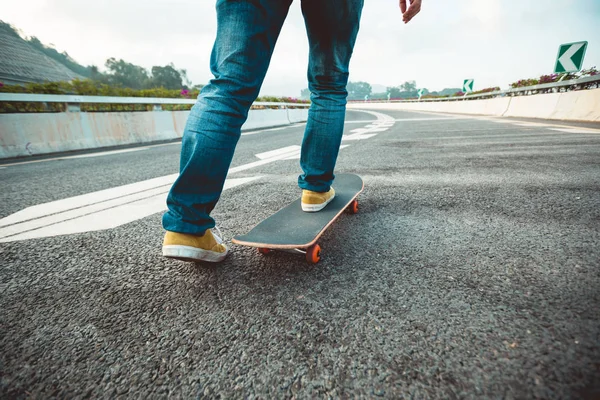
pixel 218 237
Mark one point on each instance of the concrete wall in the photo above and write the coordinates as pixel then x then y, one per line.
pixel 34 134
pixel 581 105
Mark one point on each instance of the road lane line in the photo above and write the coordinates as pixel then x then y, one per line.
pixel 103 219
pixel 576 130
pixel 103 153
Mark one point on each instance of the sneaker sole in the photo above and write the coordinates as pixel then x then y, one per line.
pixel 193 254
pixel 316 207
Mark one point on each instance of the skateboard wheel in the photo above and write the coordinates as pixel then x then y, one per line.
pixel 353 207
pixel 313 254
pixel 263 250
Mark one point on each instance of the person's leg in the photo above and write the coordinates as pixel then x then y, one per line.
pixel 332 27
pixel 246 35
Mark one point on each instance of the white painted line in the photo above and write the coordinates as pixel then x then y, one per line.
pixel 382 124
pixel 577 130
pixel 103 153
pixel 165 144
pixel 425 119
pixel 291 151
pixel 358 136
pixel 531 125
pixel 105 219
pixel 359 122
pixel 278 152
pixel 546 124
pixel 273 129
pixel 86 199
pixel 81 211
pixel 372 130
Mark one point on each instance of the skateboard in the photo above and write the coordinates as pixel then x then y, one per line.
pixel 293 230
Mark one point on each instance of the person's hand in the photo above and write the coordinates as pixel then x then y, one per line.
pixel 413 9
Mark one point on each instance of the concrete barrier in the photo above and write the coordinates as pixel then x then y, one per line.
pixel 583 105
pixel 296 115
pixel 266 118
pixel 35 134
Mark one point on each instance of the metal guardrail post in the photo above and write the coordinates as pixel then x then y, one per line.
pixel 73 107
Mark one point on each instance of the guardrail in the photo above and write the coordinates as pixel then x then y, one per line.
pixel 73 101
pixel 588 82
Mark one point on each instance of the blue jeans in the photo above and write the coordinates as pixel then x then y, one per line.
pixel 246 34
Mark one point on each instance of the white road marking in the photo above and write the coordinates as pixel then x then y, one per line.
pixel 273 129
pixel 103 153
pixel 359 122
pixel 86 199
pixel 546 124
pixel 278 152
pixel 359 136
pixel 382 124
pixel 531 125
pixel 425 119
pixel 98 217
pixel 276 155
pixel 577 130
pixel 296 156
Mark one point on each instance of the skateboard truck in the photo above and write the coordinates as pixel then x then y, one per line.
pixel 312 253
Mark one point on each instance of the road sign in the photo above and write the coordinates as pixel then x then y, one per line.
pixel 570 57
pixel 468 85
pixel 421 91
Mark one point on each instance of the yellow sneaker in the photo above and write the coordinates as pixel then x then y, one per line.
pixel 316 201
pixel 186 247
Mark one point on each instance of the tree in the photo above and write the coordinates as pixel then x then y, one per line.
pixel 406 90
pixel 358 90
pixel 122 73
pixel 409 86
pixel 167 77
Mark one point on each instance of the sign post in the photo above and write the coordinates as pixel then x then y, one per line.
pixel 421 91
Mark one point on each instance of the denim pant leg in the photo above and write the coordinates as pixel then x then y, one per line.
pixel 332 27
pixel 246 35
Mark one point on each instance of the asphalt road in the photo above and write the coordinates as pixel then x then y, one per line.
pixel 471 271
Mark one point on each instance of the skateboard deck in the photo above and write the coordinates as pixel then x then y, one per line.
pixel 292 229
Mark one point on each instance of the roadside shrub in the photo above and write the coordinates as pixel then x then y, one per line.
pixel 555 78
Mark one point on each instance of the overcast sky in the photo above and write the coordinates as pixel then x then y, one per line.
pixel 494 42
